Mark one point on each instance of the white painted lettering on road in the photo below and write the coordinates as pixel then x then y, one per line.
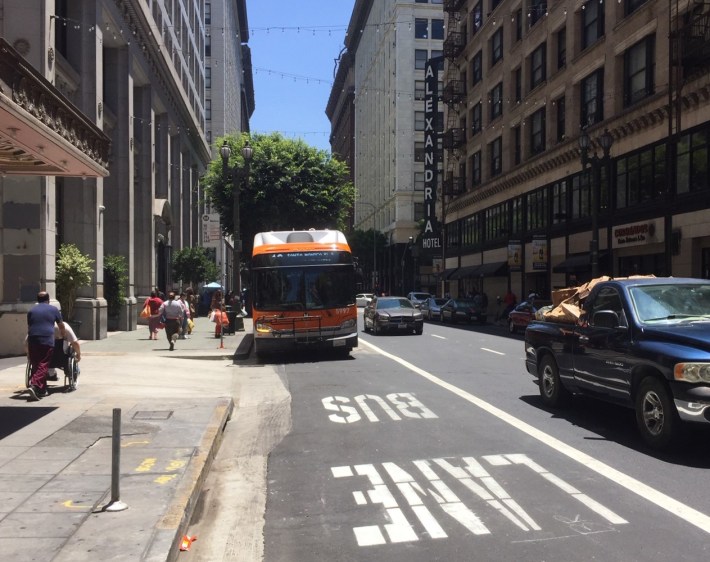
pixel 466 473
pixel 673 506
pixel 404 402
pixel 438 336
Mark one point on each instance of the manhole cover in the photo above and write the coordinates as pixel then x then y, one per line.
pixel 153 415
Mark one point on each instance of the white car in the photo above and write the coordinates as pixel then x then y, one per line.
pixel 363 299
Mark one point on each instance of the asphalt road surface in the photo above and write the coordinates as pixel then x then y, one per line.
pixel 436 447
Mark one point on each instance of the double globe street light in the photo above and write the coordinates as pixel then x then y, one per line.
pixel 596 162
pixel 236 173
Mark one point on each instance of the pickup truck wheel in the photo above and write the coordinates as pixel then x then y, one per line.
pixel 655 416
pixel 551 390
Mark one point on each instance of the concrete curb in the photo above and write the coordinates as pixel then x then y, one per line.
pixel 244 347
pixel 168 533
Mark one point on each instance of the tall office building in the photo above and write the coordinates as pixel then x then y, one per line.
pixel 123 83
pixel 378 98
pixel 580 141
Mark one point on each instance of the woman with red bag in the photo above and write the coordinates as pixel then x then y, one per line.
pixel 154 302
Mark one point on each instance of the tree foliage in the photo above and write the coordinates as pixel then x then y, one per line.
pixel 74 271
pixel 193 265
pixel 115 279
pixel 364 245
pixel 290 186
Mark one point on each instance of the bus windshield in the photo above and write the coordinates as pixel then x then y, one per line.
pixel 303 288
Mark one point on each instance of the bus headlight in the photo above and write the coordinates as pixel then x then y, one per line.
pixel 262 327
pixel 692 372
pixel 348 324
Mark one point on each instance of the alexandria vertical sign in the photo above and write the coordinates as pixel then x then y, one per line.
pixel 431 237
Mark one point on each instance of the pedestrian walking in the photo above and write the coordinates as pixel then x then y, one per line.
pixel 173 312
pixel 191 302
pixel 154 302
pixel 185 317
pixel 41 320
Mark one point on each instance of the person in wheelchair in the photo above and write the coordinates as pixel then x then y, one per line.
pixel 67 354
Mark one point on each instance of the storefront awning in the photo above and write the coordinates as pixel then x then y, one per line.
pixel 41 132
pixel 577 263
pixel 494 269
pixel 463 272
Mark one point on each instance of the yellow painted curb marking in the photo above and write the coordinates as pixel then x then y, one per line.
pixel 147 465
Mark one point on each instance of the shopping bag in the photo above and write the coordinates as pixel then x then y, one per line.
pixel 190 325
pixel 145 313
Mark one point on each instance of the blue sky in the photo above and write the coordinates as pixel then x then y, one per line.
pixel 294 45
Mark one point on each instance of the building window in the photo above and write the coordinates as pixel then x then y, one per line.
pixel 497 46
pixel 496 101
pixel 476 119
pixel 419 89
pixel 477 67
pixel 559 202
pixel 208 13
pixel 208 77
pixel 517 146
pixel 537 132
pixel 592 22
pixel 519 25
pixel 419 151
pixel 418 181
pixel 438 53
pixel 418 211
pixel 538 67
pixel 476 168
pixel 208 109
pixel 592 110
pixel 560 111
pixel 476 18
pixel 580 200
pixel 561 48
pixel 495 149
pixel 692 174
pixel 421 28
pixel 420 58
pixel 631 6
pixel 518 81
pixel 639 63
pixel 418 120
pixel 437 29
pixel 537 209
pixel 208 46
pixel 538 8
pixel 641 177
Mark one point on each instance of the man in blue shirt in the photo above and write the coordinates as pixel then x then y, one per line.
pixel 40 342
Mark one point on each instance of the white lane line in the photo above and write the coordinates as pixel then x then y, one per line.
pixel 492 351
pixel 440 337
pixel 673 506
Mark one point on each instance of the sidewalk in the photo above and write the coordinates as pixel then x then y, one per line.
pixel 56 454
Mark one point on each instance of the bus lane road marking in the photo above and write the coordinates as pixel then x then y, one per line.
pixel 673 506
pixel 438 336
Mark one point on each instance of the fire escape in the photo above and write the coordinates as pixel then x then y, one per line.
pixel 454 96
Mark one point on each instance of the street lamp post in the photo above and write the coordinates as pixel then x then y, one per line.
pixel 605 140
pixel 247 153
pixel 404 253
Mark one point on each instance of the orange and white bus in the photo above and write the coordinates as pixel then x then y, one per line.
pixel 303 291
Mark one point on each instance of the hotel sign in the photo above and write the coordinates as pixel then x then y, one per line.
pixel 431 237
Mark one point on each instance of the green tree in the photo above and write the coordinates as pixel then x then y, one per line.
pixel 115 279
pixel 74 271
pixel 366 245
pixel 291 186
pixel 193 265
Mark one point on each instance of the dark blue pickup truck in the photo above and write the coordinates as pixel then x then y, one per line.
pixel 643 343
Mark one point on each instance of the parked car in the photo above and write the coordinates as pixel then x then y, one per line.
pixel 522 315
pixel 431 308
pixel 418 298
pixel 465 310
pixel 392 313
pixel 363 299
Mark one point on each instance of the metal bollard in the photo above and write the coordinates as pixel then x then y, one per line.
pixel 115 504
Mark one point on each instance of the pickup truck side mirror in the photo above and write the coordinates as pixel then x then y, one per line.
pixel 606 319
